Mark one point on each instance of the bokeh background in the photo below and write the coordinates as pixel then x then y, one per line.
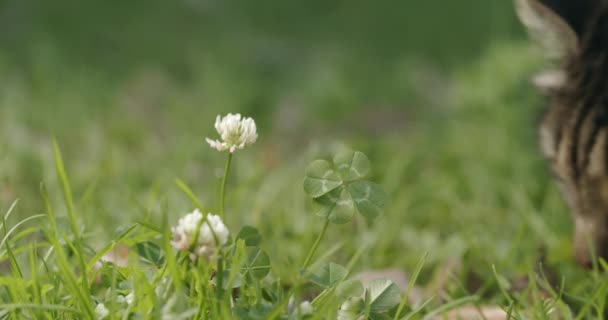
pixel 435 92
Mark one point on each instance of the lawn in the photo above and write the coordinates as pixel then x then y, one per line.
pixel 102 152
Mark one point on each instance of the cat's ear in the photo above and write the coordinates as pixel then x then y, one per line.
pixel 546 27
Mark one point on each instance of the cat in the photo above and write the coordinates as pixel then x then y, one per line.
pixel 573 130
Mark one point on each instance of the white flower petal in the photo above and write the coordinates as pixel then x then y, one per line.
pixel 130 298
pixel 101 311
pixel 211 234
pixel 236 132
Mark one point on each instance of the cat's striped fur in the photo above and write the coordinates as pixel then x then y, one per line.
pixel 574 128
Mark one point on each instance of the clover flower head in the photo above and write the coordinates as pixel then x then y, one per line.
pixel 236 132
pixel 101 311
pixel 305 309
pixel 128 299
pixel 211 234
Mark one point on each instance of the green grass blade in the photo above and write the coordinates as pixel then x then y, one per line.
pixel 110 246
pixel 69 202
pixel 451 305
pixel 15 227
pixel 420 308
pixel 8 214
pixel 67 192
pixel 410 285
pixel 79 292
pixel 500 286
pixel 15 268
pixel 44 307
pixel 170 256
pixel 188 192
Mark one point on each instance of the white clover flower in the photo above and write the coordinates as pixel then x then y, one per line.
pixel 128 299
pixel 305 309
pixel 101 311
pixel 205 244
pixel 236 133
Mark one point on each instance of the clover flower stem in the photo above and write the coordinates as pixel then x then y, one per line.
pixel 223 190
pixel 315 246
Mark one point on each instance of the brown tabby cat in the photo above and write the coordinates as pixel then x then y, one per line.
pixel 574 129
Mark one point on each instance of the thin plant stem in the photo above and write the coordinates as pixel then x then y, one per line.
pixel 223 190
pixel 311 253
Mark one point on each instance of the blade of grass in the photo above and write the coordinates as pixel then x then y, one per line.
pixel 15 227
pixel 9 211
pixel 188 192
pixel 67 194
pixel 420 308
pixel 20 306
pixel 81 294
pixel 451 305
pixel 35 281
pixel 171 259
pixel 148 226
pixel 15 268
pixel 410 285
pixel 500 286
pixel 353 260
pixel 109 247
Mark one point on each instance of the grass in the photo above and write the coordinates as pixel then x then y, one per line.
pixel 463 178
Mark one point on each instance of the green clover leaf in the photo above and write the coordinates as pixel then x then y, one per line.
pixel 250 235
pixel 340 190
pixel 337 206
pixel 349 288
pixel 351 309
pixel 383 295
pixel 352 165
pixel 368 197
pixel 257 264
pixel 150 252
pixel 237 283
pixel 320 179
pixel 329 275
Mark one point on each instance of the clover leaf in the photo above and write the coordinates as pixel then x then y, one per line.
pixel 329 275
pixel 257 264
pixel 337 206
pixel 368 197
pixel 250 235
pixel 383 294
pixel 351 309
pixel 320 179
pixel 339 189
pixel 352 165
pixel 349 288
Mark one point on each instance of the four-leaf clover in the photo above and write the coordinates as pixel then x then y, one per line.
pixel 339 189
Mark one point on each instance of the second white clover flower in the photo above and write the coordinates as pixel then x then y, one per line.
pixel 236 132
pixel 101 311
pixel 207 241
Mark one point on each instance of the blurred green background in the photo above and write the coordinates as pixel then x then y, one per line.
pixel 436 93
